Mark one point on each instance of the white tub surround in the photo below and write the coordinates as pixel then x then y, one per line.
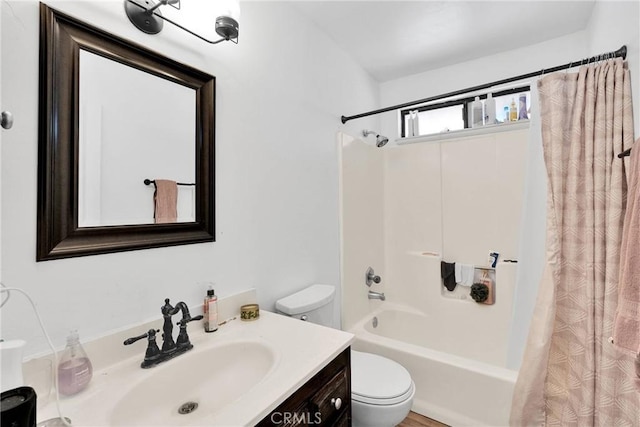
pixel 293 351
pixel 405 208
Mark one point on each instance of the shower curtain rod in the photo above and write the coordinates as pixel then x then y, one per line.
pixel 622 52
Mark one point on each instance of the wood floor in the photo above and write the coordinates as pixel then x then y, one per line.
pixel 417 420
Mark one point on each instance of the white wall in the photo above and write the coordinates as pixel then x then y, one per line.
pixel 2 130
pixel 280 93
pixel 613 24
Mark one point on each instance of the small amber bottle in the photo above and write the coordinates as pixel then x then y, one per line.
pixel 513 111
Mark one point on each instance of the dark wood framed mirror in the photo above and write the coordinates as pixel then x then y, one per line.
pixel 63 40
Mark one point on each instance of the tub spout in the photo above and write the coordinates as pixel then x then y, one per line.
pixel 376 295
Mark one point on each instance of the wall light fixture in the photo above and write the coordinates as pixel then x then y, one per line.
pixel 146 16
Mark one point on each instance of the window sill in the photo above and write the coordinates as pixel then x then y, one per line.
pixel 462 133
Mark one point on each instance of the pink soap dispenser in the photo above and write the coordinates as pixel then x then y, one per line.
pixel 74 369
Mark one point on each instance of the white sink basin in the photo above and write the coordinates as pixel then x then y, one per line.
pixel 236 375
pixel 210 378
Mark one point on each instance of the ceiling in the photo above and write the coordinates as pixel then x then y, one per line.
pixel 393 39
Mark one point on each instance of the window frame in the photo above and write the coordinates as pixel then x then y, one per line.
pixel 453 102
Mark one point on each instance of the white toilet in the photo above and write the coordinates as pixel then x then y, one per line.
pixel 381 390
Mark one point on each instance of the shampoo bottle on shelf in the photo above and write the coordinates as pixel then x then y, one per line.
pixel 523 114
pixel 210 311
pixel 416 124
pixel 476 113
pixel 410 120
pixel 74 369
pixel 489 110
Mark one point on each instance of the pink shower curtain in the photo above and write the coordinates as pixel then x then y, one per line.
pixel 571 375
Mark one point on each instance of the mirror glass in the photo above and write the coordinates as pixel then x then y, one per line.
pixel 132 126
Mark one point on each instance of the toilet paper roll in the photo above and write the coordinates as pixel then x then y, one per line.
pixel 11 357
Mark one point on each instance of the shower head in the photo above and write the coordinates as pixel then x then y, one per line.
pixel 380 140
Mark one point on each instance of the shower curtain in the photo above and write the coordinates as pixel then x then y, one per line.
pixel 571 375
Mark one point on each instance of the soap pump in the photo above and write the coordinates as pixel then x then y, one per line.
pixel 74 369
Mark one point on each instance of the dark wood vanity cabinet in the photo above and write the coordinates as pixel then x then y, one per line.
pixel 325 400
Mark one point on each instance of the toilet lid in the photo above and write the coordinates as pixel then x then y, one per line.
pixel 378 380
pixel 308 299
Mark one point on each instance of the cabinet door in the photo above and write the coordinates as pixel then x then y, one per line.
pixel 344 420
pixel 285 417
pixel 332 399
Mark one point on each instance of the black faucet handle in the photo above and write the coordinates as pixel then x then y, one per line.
pixel 151 333
pixel 186 320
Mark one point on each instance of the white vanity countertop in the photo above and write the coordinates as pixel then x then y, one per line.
pixel 301 350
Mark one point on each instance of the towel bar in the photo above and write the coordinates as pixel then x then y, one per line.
pixel 150 181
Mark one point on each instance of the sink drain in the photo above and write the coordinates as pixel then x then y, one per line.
pixel 187 408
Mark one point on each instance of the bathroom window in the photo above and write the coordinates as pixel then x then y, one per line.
pixel 456 114
pixel 438 118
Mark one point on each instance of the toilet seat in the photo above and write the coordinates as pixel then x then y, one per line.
pixel 376 380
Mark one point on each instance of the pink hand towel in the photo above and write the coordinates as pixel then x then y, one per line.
pixel 626 328
pixel 166 201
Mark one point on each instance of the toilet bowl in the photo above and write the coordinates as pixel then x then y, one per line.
pixel 381 390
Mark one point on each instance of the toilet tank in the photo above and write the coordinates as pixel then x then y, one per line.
pixel 314 304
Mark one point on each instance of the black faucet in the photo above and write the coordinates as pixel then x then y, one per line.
pixel 170 348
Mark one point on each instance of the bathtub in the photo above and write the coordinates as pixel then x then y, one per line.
pixel 450 388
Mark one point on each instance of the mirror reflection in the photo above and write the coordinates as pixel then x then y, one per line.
pixel 133 126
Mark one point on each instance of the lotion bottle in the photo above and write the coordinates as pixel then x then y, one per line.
pixel 410 124
pixel 74 369
pixel 210 310
pixel 476 113
pixel 416 123
pixel 489 110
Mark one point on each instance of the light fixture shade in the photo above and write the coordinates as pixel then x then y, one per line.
pixel 227 27
pixel 227 14
pixel 230 8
